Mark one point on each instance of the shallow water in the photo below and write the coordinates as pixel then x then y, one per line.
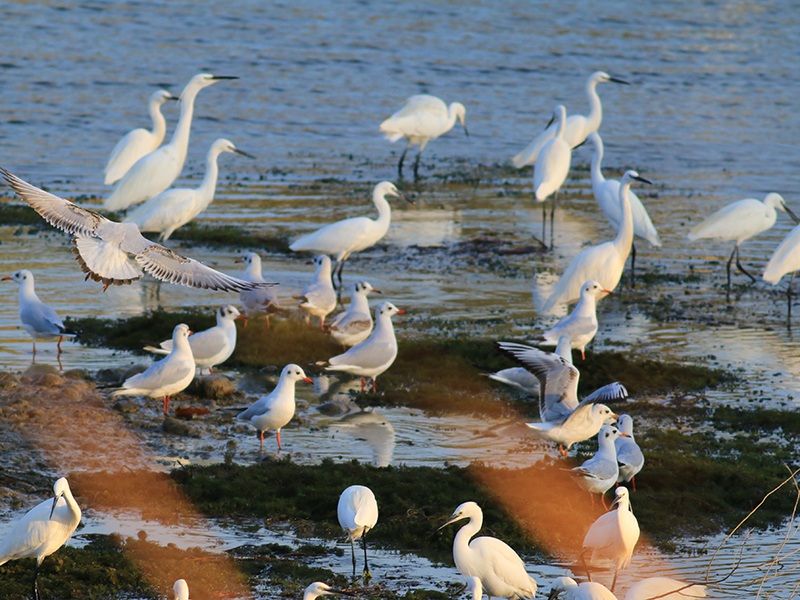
pixel 713 89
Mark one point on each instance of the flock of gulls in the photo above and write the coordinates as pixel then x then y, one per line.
pixel 117 253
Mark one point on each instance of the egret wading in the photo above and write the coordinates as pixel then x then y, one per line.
pixel 551 169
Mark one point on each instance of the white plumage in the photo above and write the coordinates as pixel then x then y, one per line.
pixel 181 590
pixel 664 588
pixel 318 298
pixel 138 142
pixel 587 590
pixel 629 456
pixel 355 324
pixel 358 513
pixel 598 474
pixel 552 168
pixel 523 379
pixel 260 301
pixel 317 589
pixel 581 324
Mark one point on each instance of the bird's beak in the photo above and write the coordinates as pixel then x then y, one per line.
pixel 191 332
pixel 786 208
pixel 550 122
pixel 53 508
pixel 335 592
pixel 613 416
pixel 241 316
pixel 453 518
pixel 607 291
pixel 307 380
pixel 465 128
pixel 6 278
pixel 400 312
pixel 624 435
pixel 616 80
pixel 642 179
pixel 220 77
pixel 376 291
pixel 243 153
pixel 239 260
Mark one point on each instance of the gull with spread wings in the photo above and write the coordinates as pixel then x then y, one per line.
pixel 117 253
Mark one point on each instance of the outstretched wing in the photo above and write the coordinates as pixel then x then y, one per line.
pixel 613 392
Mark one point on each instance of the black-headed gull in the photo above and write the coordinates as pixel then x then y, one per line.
pixel 117 253
pixel 318 298
pixel 523 379
pixel 275 410
pixel 565 421
pixel 168 376
pixel 342 238
pixel 261 301
pixel 358 513
pixel 581 324
pixel 664 588
pixel 587 590
pixel 155 172
pixel 43 530
pixel 138 142
pixel 629 456
pixel 374 355
pixel 423 118
pixel 500 570
pixel 213 346
pixel 174 207
pixel 39 320
pixel 613 536
pixel 355 324
pixel 598 474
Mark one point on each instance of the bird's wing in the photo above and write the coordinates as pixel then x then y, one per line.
pixel 421 116
pixel 351 322
pixel 785 259
pixel 518 377
pixel 366 355
pixel 166 370
pixel 597 469
pixel 259 407
pixel 599 534
pixel 531 152
pixel 30 532
pixel 133 145
pixel 730 221
pixel 551 168
pixel 208 343
pixel 60 213
pixel 582 268
pixel 162 211
pixel 343 236
pixel 500 559
pixel 608 393
pixel 628 452
pixel 320 294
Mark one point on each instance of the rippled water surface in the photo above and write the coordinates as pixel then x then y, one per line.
pixel 709 117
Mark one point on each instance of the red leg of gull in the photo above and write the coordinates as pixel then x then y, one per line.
pixel 633 482
pixel 308 321
pixel 245 322
pixel 374 391
pixel 166 405
pixel 561 449
pixel 583 355
pixel 262 440
pixel 362 382
pixel 34 346
pixel 267 321
pixel 322 322
pixel 210 370
pixel 60 339
pixel 278 433
pixel 603 498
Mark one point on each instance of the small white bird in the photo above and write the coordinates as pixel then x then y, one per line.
pixel 343 238
pixel 739 222
pixel 319 297
pixel 39 320
pixel 175 207
pixel 475 588
pixel 374 355
pixel 422 119
pixel 629 456
pixel 603 263
pixel 358 513
pixel 664 588
pixel 277 409
pixel 138 142
pixel 606 192
pixel 210 347
pixel 317 589
pixel 181 590
pixel 43 530
pixel 260 301
pixel 526 381
pixel 578 126
pixel 565 421
pixel 355 324
pixel 598 474
pixel 588 590
pixel 552 168
pixel 581 324
pixel 168 376
pixel 613 535
pixel 155 172
pixel 499 569
pixel 116 253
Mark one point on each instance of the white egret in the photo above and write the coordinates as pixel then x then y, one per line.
pixel 342 238
pixel 168 376
pixel 138 142
pixel 475 588
pixel 43 530
pixel 613 535
pixel 354 325
pixel 603 263
pixel 588 590
pixel 374 355
pixel 317 589
pixel 212 346
pixel 155 172
pixel 175 207
pixel 181 590
pixel 499 569
pixel 581 324
pixel 318 297
pixel 552 168
pixel 578 126
pixel 598 474
pixel 629 456
pixel 39 320
pixel 565 421
pixel 260 301
pixel 275 410
pixel 422 119
pixel 116 253
pixel 358 513
pixel 606 192
pixel 664 588
pixel 740 221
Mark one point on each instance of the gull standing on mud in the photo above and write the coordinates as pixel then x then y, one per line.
pixel 260 301
pixel 581 324
pixel 155 172
pixel 551 169
pixel 318 298
pixel 168 376
pixel 43 530
pixel 500 570
pixel 117 253
pixel 358 513
pixel 38 319
pixel 598 474
pixel 629 456
pixel 138 142
pixel 175 207
pixel 422 119
pixel 354 325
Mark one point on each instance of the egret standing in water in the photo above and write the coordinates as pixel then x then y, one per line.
pixel 358 513
pixel 552 168
pixel 739 222
pixel 422 119
pixel 785 259
pixel 138 142
pixel 500 570
pixel 577 126
pixel 43 530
